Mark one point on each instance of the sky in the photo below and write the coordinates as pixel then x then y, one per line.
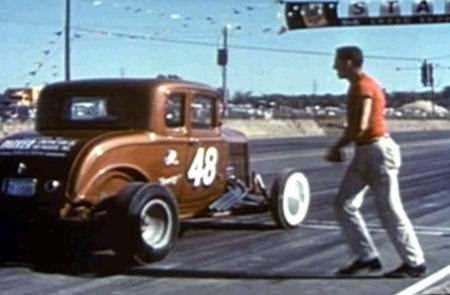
pixel 145 38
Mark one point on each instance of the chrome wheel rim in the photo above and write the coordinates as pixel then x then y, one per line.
pixel 156 223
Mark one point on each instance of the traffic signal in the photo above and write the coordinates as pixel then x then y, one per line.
pixel 222 57
pixel 427 74
pixel 424 73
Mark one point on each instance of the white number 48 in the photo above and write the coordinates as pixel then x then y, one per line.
pixel 203 169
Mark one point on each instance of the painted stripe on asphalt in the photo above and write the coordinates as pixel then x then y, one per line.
pixel 425 283
pixel 285 156
pixel 380 230
pixel 320 152
pixel 421 227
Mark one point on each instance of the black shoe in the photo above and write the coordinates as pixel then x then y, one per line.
pixel 358 266
pixel 407 271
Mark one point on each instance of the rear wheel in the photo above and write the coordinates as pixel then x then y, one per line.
pixel 290 198
pixel 146 218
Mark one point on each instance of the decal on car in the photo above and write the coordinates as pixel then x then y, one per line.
pixel 203 168
pixel 21 168
pixel 46 146
pixel 171 159
pixel 172 180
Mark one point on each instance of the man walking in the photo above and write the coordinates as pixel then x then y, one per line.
pixel 375 166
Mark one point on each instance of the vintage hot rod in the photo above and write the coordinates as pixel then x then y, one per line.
pixel 141 154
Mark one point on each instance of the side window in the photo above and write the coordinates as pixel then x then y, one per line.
pixel 174 115
pixel 202 111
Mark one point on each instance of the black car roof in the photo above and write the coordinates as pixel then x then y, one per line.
pixel 125 82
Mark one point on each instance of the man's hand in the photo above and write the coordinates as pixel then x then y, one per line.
pixel 335 155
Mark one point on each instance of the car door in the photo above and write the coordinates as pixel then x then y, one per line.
pixel 175 148
pixel 206 156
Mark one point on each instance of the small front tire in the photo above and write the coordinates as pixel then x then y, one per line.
pixel 290 198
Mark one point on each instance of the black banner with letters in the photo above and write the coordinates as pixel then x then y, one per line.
pixel 302 15
pixel 307 15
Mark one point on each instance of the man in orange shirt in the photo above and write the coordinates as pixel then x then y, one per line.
pixel 375 166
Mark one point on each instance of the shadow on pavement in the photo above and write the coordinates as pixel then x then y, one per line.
pixel 107 264
pixel 237 275
pixel 225 225
pixel 73 253
pixel 67 258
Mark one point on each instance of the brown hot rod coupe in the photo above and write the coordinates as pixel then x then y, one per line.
pixel 141 154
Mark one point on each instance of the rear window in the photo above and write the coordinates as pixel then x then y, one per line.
pixel 93 108
pixel 88 109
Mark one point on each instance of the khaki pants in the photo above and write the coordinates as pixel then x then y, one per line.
pixel 375 166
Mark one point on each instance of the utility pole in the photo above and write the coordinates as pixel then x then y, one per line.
pixel 67 42
pixel 315 86
pixel 431 78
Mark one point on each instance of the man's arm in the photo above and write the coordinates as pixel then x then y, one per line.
pixel 352 133
pixel 365 118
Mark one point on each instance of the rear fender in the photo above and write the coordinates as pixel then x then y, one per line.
pixel 107 182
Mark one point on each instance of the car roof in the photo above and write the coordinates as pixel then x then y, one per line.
pixel 53 99
pixel 128 83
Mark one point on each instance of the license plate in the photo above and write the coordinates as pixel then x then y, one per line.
pixel 20 187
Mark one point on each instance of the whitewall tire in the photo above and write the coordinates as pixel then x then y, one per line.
pixel 290 198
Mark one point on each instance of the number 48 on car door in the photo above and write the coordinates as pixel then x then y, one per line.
pixel 203 169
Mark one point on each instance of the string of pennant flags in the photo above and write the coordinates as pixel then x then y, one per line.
pixel 47 54
pixel 183 21
pixel 294 14
pixel 186 21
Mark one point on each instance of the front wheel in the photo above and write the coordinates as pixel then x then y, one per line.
pixel 289 198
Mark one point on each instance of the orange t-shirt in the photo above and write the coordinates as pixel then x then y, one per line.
pixel 366 87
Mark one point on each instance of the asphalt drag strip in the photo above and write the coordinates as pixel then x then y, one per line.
pixel 249 255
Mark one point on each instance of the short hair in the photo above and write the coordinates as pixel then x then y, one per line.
pixel 352 53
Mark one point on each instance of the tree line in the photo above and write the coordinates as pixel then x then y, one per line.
pixel 394 99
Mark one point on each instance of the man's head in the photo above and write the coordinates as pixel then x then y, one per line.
pixel 348 61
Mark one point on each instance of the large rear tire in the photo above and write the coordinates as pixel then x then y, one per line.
pixel 289 198
pixel 146 220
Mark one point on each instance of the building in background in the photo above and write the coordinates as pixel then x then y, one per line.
pixel 25 96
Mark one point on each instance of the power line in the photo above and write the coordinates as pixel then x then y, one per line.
pixel 199 43
pixel 28 22
pixel 236 46
pixel 156 30
pixel 440 57
pixel 393 58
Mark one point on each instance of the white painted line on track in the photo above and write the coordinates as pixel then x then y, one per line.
pixel 288 156
pixel 329 226
pixel 431 205
pixel 321 151
pixel 420 227
pixel 425 283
